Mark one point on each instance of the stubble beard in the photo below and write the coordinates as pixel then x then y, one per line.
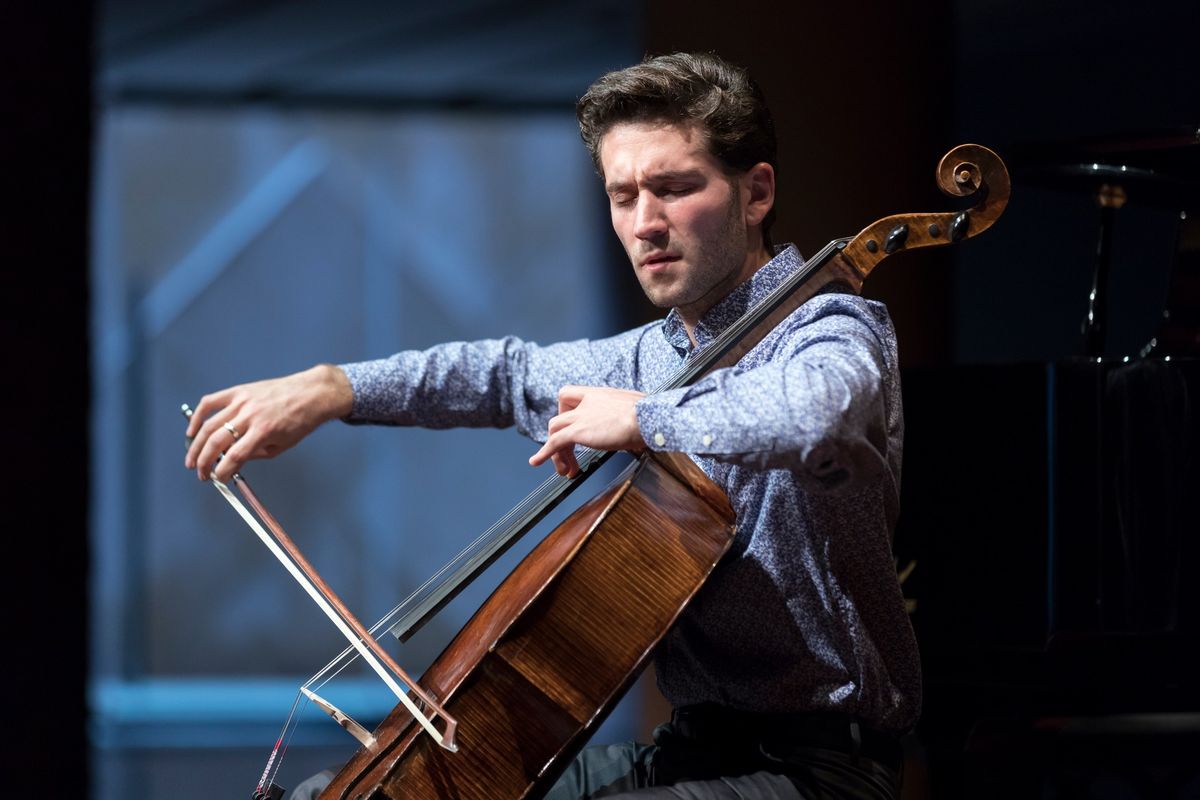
pixel 715 269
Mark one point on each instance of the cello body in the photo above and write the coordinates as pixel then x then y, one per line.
pixel 542 663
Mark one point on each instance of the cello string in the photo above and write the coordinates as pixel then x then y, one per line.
pixel 493 533
pixel 298 707
pixel 275 760
pixel 495 536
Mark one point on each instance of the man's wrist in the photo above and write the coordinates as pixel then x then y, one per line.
pixel 336 391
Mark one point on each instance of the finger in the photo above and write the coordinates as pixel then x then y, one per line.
pixel 199 439
pixel 231 463
pixel 556 442
pixel 554 428
pixel 201 429
pixel 569 397
pixel 217 441
pixel 247 447
pixel 208 405
pixel 560 450
pixel 194 445
pixel 560 422
pixel 206 458
pixel 201 450
pixel 565 463
pixel 543 453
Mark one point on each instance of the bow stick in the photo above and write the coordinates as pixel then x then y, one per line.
pixel 285 550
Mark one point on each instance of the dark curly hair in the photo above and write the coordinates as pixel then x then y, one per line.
pixel 698 88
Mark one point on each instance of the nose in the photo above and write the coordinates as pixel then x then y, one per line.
pixel 650 221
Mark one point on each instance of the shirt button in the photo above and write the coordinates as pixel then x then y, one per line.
pixel 707 440
pixel 659 439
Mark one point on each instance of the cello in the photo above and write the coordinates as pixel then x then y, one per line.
pixel 529 678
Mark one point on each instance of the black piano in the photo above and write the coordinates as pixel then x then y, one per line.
pixel 1051 521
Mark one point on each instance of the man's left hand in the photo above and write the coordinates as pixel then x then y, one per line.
pixel 596 417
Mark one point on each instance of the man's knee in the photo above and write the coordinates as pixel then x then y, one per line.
pixel 309 788
pixel 758 785
pixel 600 766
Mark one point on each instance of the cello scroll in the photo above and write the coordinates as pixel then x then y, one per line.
pixel 969 170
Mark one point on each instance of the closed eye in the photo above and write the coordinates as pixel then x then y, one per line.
pixel 675 191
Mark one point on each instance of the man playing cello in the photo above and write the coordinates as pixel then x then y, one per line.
pixel 795 670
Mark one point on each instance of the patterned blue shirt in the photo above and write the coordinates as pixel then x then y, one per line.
pixel 804 435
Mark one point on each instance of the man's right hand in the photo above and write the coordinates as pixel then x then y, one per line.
pixel 268 417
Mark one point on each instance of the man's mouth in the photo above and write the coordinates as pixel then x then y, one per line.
pixel 658 260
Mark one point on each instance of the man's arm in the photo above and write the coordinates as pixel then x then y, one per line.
pixel 819 407
pixel 824 406
pixel 489 383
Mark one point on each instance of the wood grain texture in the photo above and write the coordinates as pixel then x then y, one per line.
pixel 541 664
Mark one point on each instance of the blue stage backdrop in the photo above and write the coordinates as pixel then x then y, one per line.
pixel 232 244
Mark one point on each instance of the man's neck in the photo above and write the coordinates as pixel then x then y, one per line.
pixel 692 315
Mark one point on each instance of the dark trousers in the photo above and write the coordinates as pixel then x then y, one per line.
pixel 708 753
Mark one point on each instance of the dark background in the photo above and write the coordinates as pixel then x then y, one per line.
pixel 867 97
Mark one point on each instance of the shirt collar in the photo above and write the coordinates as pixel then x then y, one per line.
pixel 730 308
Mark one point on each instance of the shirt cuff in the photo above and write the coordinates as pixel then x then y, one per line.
pixel 666 427
pixel 370 397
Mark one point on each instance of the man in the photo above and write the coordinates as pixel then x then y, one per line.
pixel 795 670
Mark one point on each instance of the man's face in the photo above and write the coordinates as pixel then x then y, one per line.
pixel 680 218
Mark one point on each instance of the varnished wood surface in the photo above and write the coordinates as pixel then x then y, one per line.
pixel 684 469
pixel 537 669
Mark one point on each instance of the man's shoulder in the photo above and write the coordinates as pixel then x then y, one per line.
pixel 834 303
pixel 838 315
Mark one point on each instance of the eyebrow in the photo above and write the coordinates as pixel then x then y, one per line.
pixel 657 177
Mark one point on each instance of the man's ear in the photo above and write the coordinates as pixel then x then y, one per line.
pixel 759 184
